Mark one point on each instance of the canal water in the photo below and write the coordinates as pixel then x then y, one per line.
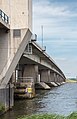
pixel 60 100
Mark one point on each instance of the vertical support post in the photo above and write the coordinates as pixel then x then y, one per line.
pixel 42 35
pixel 45 75
pixel 9 95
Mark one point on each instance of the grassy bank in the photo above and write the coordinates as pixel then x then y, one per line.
pixel 71 81
pixel 51 116
pixel 2 108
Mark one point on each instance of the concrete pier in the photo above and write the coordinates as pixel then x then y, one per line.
pixel 31 71
pixel 45 75
pixel 7 96
pixel 25 88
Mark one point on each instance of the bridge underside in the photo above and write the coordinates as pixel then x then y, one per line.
pixel 42 77
pixel 3 25
pixel 46 74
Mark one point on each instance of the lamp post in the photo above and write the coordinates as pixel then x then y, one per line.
pixel 42 35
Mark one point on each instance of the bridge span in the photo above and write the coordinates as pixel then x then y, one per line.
pixel 24 65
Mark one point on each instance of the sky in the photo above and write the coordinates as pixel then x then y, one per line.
pixel 59 21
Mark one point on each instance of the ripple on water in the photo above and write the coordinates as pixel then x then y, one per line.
pixel 60 100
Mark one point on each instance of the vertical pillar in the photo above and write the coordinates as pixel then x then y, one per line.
pixel 31 71
pixel 61 79
pixel 52 77
pixel 55 77
pixel 29 76
pixel 45 75
pixel 58 78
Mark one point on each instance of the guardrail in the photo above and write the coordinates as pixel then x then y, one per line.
pixel 4 17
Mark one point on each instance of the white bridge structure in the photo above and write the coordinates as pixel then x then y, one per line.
pixel 20 55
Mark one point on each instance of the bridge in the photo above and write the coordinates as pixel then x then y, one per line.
pixel 24 65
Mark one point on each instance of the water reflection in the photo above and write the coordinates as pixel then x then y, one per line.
pixel 60 100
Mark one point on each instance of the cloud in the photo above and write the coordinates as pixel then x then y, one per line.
pixel 59 19
pixel 46 8
pixel 50 10
pixel 55 19
pixel 68 66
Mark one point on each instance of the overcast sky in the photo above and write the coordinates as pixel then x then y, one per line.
pixel 59 20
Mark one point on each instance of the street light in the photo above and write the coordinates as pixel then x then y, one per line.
pixel 42 35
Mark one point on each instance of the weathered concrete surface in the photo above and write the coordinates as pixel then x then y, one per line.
pixel 7 96
pixel 52 84
pixel 31 71
pixel 42 85
pixel 24 90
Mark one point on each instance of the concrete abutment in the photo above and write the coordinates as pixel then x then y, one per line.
pixel 7 96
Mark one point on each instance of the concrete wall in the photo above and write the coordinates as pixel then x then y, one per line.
pixel 3 48
pixel 5 6
pixel 6 96
pixel 15 41
pixel 30 14
pixel 19 12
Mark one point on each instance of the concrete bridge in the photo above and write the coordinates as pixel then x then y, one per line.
pixel 24 65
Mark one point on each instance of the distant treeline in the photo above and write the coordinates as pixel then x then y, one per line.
pixel 72 78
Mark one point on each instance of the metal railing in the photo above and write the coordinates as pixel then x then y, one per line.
pixel 4 17
pixel 26 79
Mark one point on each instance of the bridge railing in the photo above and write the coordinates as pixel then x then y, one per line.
pixel 4 17
pixel 26 79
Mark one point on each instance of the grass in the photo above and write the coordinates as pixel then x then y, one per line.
pixel 51 116
pixel 2 108
pixel 71 81
pixel 44 116
pixel 72 116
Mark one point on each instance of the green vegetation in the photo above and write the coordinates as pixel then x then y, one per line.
pixel 45 116
pixel 51 116
pixel 72 116
pixel 2 108
pixel 72 79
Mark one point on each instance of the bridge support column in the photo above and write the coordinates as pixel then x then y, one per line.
pixel 26 87
pixel 58 79
pixel 45 75
pixel 52 80
pixel 43 79
pixel 61 79
pixel 31 71
pixel 7 96
pixel 55 77
pixel 52 77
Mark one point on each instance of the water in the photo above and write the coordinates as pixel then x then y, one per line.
pixel 60 100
